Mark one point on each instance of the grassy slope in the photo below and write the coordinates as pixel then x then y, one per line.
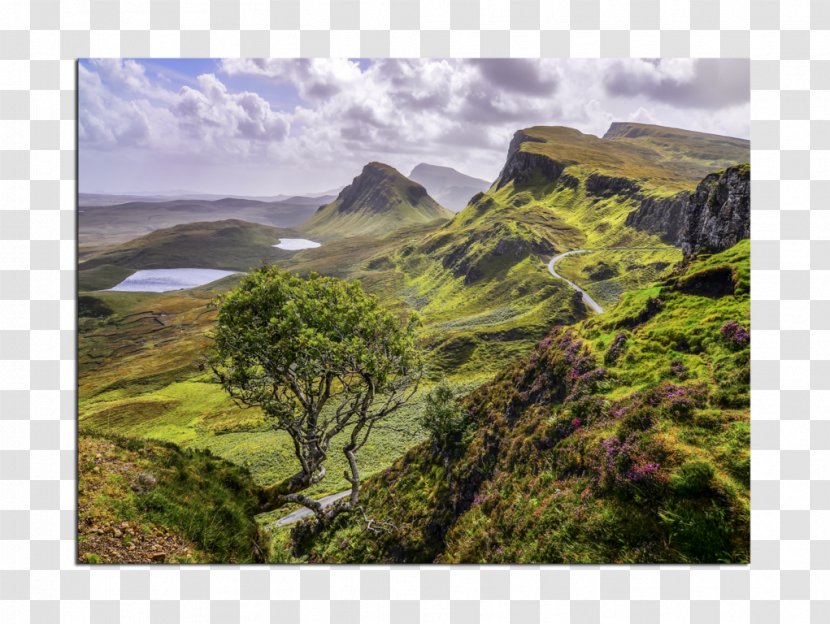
pixel 607 274
pixel 577 456
pixel 482 277
pixel 145 502
pixel 140 376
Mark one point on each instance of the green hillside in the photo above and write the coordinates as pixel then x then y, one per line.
pixel 624 438
pixel 377 202
pixel 146 502
pixel 231 245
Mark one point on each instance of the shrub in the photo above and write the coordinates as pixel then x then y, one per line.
pixel 678 369
pixel 628 463
pixel 444 419
pixel 615 350
pixel 735 335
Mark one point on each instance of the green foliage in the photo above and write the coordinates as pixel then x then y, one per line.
pixel 694 478
pixel 443 418
pixel 292 346
pixel 278 329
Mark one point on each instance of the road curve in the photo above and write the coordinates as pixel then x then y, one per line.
pixel 304 512
pixel 589 301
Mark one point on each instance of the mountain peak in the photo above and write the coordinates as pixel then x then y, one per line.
pixel 379 200
pixel 449 186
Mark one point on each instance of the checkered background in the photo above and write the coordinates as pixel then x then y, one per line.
pixel 789 44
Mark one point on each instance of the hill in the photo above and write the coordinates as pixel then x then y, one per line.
pixel 147 502
pixel 378 201
pixel 449 187
pixel 624 439
pixel 231 245
pixel 101 225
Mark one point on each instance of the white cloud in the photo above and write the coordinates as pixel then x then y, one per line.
pixel 343 113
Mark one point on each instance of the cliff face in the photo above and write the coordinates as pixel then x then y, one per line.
pixel 521 166
pixel 606 186
pixel 717 214
pixel 712 218
pixel 661 216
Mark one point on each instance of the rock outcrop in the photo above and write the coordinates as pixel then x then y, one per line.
pixel 521 166
pixel 605 186
pixel 717 213
pixel 660 215
pixel 712 218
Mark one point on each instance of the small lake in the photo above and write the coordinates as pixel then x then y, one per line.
pixel 294 244
pixel 163 280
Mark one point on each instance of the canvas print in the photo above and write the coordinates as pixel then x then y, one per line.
pixel 413 311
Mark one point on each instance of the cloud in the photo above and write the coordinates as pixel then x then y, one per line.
pixel 684 83
pixel 313 123
pixel 201 122
pixel 526 76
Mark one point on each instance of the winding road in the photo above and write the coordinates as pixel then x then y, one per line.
pixel 305 512
pixel 589 301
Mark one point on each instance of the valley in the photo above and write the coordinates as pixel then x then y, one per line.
pixel 572 235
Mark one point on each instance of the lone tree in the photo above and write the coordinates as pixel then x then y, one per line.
pixel 320 357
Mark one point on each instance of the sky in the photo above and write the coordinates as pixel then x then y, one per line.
pixel 292 126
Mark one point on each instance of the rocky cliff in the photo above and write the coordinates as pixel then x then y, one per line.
pixel 717 213
pixel 712 218
pixel 661 215
pixel 521 166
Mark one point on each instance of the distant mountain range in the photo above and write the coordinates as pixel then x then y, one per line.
pixel 107 199
pixel 449 187
pixel 378 201
pixel 107 224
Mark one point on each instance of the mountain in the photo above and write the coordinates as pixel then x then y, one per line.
pixel 620 439
pixel 104 199
pixel 108 224
pixel 378 201
pixel 559 190
pixel 448 186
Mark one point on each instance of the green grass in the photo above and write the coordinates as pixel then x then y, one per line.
pixel 535 481
pixel 139 493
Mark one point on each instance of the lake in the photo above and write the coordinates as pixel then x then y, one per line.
pixel 163 280
pixel 293 244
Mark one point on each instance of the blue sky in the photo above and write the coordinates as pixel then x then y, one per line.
pixel 265 127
